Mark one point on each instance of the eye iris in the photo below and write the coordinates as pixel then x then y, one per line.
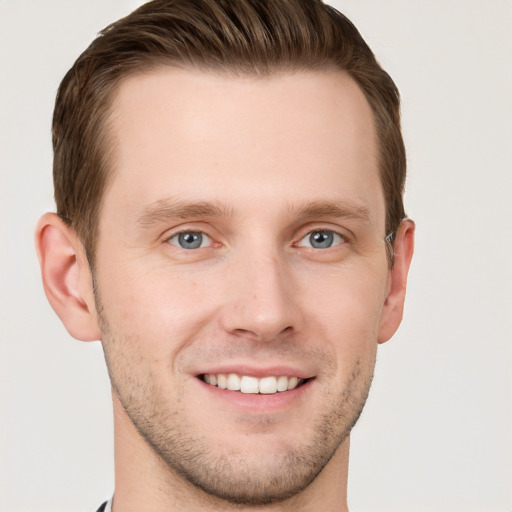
pixel 321 239
pixel 190 240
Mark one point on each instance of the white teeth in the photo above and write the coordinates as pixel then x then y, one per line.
pixel 233 382
pixel 282 383
pixel 268 385
pixel 246 384
pixel 292 382
pixel 249 384
pixel 222 381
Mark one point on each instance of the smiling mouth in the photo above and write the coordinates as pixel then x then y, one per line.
pixel 246 384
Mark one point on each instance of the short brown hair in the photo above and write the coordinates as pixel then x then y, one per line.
pixel 254 37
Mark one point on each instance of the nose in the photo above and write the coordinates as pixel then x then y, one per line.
pixel 261 299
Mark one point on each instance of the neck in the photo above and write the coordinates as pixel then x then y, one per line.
pixel 144 482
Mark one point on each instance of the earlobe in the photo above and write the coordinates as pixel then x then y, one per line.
pixel 394 304
pixel 66 277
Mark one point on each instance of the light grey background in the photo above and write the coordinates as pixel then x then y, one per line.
pixel 436 434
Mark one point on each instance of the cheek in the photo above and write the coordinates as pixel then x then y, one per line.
pixel 348 307
pixel 168 307
pixel 159 307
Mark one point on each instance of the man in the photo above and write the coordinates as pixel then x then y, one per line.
pixel 229 179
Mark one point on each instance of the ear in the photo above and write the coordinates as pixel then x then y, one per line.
pixel 397 281
pixel 67 279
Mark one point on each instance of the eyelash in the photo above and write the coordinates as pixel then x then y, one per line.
pixel 330 232
pixel 337 239
pixel 188 232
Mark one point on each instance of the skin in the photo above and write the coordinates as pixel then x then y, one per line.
pixel 256 165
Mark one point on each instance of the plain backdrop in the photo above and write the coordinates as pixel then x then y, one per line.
pixel 436 434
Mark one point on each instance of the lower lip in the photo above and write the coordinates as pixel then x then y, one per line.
pixel 256 402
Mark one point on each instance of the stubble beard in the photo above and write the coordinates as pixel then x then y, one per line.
pixel 232 477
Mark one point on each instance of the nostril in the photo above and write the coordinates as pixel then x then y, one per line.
pixel 263 333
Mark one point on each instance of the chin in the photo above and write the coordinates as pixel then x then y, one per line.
pixel 253 478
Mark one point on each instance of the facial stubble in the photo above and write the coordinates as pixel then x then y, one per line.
pixel 231 476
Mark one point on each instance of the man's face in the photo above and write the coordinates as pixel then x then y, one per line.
pixel 242 243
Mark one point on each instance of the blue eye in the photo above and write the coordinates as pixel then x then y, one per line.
pixel 190 240
pixel 321 239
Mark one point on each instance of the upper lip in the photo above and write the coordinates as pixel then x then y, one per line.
pixel 258 372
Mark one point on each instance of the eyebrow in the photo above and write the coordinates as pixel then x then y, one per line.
pixel 345 209
pixel 167 209
pixel 164 210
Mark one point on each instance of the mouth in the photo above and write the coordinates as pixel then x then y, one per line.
pixel 267 385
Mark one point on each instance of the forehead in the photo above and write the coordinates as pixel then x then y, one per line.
pixel 198 135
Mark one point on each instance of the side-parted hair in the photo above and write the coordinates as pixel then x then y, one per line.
pixel 241 37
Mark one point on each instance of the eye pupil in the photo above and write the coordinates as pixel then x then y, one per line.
pixel 321 239
pixel 190 240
